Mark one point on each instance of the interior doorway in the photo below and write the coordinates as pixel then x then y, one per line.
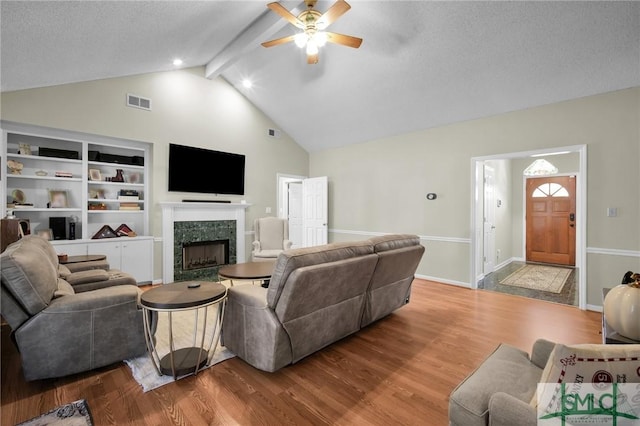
pixel 480 248
pixel 304 202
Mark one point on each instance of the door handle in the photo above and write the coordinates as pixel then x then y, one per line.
pixel 572 217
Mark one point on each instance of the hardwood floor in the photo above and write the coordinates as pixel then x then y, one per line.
pixel 399 370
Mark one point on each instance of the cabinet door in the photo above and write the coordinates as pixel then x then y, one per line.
pixel 137 259
pixel 110 249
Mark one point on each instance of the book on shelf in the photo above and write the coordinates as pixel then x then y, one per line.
pixel 128 197
pixel 60 173
pixel 128 193
pixel 136 208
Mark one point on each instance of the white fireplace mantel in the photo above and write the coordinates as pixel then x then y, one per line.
pixel 175 211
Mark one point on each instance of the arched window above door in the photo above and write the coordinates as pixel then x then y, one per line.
pixel 550 190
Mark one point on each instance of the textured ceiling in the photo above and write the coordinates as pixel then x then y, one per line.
pixel 421 65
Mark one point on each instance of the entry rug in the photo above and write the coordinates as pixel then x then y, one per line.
pixel 73 414
pixel 539 277
pixel 183 322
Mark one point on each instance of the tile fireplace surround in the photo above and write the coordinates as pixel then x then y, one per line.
pixel 173 212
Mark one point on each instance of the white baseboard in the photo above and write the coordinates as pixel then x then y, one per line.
pixel 595 308
pixel 443 280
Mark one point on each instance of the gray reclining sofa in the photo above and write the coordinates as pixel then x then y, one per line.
pixel 317 296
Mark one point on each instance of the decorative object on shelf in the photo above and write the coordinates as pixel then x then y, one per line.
pixel 134 177
pixel 105 232
pixel 18 196
pixel 97 206
pixel 94 174
pixel 24 149
pixel 15 167
pixel 64 174
pixel 119 177
pixel 96 194
pixel 124 231
pixel 41 173
pixel 47 234
pixel 58 198
pixel 72 226
pixel 622 307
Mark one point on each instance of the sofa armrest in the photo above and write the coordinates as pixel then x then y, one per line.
pixel 256 246
pixel 103 298
pixel 87 276
pixel 88 266
pixel 505 410
pixel 286 245
pixel 541 351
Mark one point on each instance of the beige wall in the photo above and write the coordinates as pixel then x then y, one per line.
pixel 380 186
pixel 187 109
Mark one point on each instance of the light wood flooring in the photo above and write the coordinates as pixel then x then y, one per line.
pixel 399 370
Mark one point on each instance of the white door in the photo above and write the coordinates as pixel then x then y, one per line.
pixel 294 213
pixel 315 211
pixel 489 220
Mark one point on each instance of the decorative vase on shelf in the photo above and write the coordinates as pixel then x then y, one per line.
pixel 622 310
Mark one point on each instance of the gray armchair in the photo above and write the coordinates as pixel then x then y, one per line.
pixel 271 238
pixel 58 331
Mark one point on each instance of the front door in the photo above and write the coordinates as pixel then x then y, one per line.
pixel 551 220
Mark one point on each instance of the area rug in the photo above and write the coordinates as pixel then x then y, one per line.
pixel 539 277
pixel 73 414
pixel 183 322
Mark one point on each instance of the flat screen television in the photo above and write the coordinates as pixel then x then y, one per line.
pixel 205 171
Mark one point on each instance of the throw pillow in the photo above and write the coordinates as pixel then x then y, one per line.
pixel 598 364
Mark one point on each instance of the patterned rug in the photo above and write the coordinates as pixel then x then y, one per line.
pixel 539 277
pixel 74 414
pixel 142 368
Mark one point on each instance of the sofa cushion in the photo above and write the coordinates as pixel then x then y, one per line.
pixel 64 289
pixel 393 241
pixel 588 364
pixel 290 260
pixel 271 254
pixel 469 402
pixel 28 274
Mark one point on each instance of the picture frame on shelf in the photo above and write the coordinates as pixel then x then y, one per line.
pixel 94 174
pixel 58 199
pixel 134 177
pixel 96 194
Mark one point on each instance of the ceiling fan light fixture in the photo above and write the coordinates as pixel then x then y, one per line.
pixel 312 47
pixel 301 40
pixel 320 38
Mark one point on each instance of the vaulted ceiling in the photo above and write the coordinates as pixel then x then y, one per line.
pixel 422 64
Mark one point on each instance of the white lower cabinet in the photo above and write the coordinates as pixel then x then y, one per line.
pixel 131 255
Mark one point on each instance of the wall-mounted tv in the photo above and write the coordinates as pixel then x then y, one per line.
pixel 205 171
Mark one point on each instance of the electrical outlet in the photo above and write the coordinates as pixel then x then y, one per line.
pixel 267 210
pixel 612 212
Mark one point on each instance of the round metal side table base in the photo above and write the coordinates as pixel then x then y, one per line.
pixel 185 361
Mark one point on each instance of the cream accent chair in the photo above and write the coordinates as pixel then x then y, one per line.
pixel 271 238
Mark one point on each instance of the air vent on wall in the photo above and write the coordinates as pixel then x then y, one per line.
pixel 136 101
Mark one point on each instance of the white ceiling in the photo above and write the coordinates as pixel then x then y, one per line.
pixel 421 65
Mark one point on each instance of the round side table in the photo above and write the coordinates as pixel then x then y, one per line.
pixel 184 296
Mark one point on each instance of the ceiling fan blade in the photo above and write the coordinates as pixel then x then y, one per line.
pixel 312 58
pixel 338 9
pixel 278 41
pixel 282 11
pixel 345 40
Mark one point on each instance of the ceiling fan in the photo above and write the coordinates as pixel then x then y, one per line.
pixel 312 23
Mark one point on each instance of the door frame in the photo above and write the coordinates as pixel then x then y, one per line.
pixel 283 195
pixel 477 238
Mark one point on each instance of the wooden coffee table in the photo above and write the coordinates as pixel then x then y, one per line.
pixel 249 271
pixel 183 296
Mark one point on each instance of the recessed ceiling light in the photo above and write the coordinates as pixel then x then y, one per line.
pixel 177 62
pixel 247 83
